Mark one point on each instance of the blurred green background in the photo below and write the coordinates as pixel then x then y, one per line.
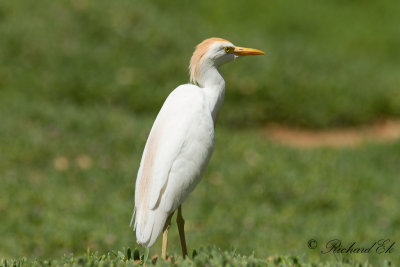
pixel 82 81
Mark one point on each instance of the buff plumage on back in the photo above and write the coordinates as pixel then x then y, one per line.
pixel 195 61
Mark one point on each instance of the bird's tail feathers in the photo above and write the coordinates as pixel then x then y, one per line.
pixel 148 225
pixel 133 217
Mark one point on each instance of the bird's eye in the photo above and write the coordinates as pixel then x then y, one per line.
pixel 228 49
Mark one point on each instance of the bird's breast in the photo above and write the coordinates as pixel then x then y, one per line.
pixel 190 164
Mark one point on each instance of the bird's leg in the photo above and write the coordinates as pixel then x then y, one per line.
pixel 165 237
pixel 181 228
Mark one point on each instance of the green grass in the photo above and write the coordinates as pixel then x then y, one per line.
pixel 82 81
pixel 327 63
pixel 255 196
pixel 210 256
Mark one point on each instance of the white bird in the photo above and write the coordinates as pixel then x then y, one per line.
pixel 181 142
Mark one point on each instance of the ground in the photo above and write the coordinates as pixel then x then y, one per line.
pixel 384 131
pixel 82 81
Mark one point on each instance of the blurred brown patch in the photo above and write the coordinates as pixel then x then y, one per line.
pixel 61 163
pixel 110 239
pixel 381 131
pixel 79 4
pixel 84 162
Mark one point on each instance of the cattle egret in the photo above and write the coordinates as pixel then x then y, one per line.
pixel 180 143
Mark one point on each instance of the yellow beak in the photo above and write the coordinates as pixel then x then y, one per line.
pixel 243 51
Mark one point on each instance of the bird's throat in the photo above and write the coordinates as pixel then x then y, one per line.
pixel 213 85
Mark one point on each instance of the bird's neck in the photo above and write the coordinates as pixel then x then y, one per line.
pixel 213 85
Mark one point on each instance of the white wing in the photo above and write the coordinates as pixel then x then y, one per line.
pixel 176 153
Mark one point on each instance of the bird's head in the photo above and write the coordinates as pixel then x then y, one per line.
pixel 214 52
